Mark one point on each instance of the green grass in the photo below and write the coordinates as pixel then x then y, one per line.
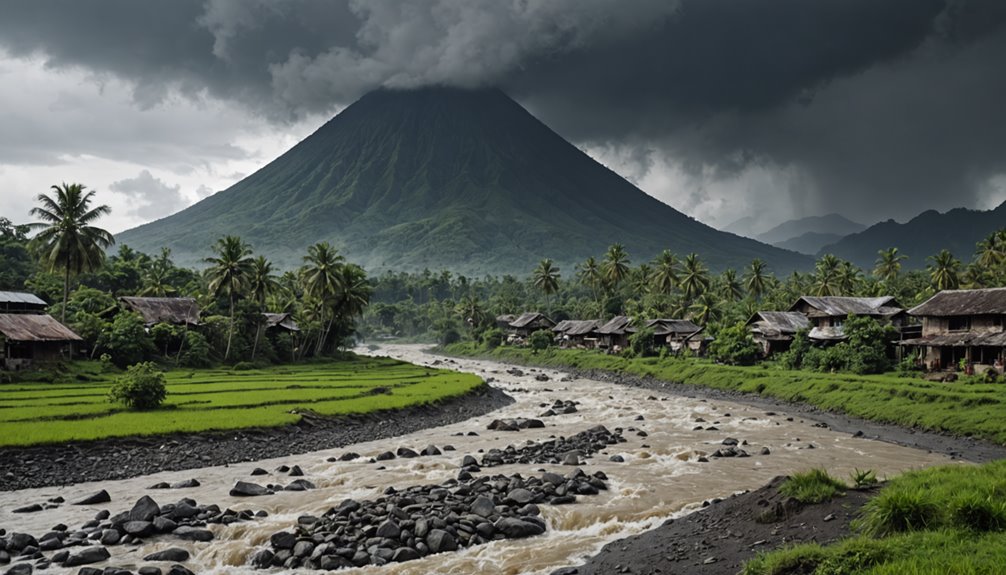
pixel 814 486
pixel 969 409
pixel 934 521
pixel 75 406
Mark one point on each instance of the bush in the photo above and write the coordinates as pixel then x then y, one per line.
pixel 196 352
pixel 735 346
pixel 978 513
pixel 895 511
pixel 641 343
pixel 141 387
pixel 540 340
pixel 126 340
pixel 492 338
pixel 814 486
pixel 449 336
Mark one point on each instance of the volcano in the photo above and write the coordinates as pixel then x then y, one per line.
pixel 443 178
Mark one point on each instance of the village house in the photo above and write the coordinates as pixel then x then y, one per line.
pixel 827 313
pixel 170 310
pixel 678 334
pixel 528 323
pixel 615 333
pixel 28 335
pixel 962 325
pixel 774 330
pixel 577 333
pixel 281 322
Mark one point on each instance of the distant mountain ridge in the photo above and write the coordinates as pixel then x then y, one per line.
pixel 443 178
pixel 834 224
pixel 957 230
pixel 809 243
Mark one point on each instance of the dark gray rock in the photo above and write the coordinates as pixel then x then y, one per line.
pixel 87 556
pixel 246 489
pixel 94 499
pixel 406 453
pixel 193 533
pixel 110 536
pixel 138 528
pixel 403 554
pixel 440 541
pixel 33 508
pixel 483 506
pixel 185 484
pixel 173 554
pixel 149 570
pixel 514 528
pixel 283 540
pixel 20 569
pixel 389 529
pixel 386 456
pixel 145 509
pixel 259 471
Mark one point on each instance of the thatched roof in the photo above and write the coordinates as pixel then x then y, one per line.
pixel 174 310
pixel 991 301
pixel 967 339
pixel 576 326
pixel 778 324
pixel 529 318
pixel 840 306
pixel 282 320
pixel 673 327
pixel 617 325
pixel 34 327
pixel 505 318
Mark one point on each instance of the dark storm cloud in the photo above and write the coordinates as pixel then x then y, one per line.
pixel 881 107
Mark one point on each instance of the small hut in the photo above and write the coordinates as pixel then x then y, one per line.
pixel 281 322
pixel 828 313
pixel 774 330
pixel 678 334
pixel 615 333
pixel 577 332
pixel 21 302
pixel 26 338
pixel 530 322
pixel 962 325
pixel 171 310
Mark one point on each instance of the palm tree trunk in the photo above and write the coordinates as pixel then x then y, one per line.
pixel 66 292
pixel 178 358
pixel 258 332
pixel 230 332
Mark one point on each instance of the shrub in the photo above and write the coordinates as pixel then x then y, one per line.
pixel 898 510
pixel 813 486
pixel 978 513
pixel 540 340
pixel 196 352
pixel 641 343
pixel 126 340
pixel 245 366
pixel 734 345
pixel 449 336
pixel 864 478
pixel 492 338
pixel 141 387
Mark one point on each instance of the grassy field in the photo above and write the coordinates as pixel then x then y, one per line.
pixel 75 406
pixel 969 409
pixel 933 521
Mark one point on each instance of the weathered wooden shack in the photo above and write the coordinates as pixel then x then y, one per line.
pixel 530 322
pixel 615 333
pixel 280 322
pixel 677 335
pixel 828 313
pixel 171 310
pixel 21 302
pixel 774 330
pixel 968 325
pixel 577 333
pixel 27 338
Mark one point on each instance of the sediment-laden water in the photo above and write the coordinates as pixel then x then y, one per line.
pixel 661 475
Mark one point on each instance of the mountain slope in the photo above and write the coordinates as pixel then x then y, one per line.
pixel 957 230
pixel 828 224
pixel 809 243
pixel 464 180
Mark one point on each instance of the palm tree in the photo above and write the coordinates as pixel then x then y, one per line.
pixel 323 280
pixel 546 278
pixel 157 276
pixel 261 284
pixel 228 275
pixel 616 265
pixel 67 239
pixel 826 276
pixel 705 309
pixel 756 278
pixel 694 277
pixel 352 299
pixel 665 274
pixel 589 274
pixel 888 264
pixel 731 286
pixel 640 279
pixel 944 271
pixel 849 278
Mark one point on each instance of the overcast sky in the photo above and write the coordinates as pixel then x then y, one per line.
pixel 722 108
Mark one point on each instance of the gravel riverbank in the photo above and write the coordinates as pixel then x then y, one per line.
pixel 120 458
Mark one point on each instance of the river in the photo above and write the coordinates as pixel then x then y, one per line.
pixel 660 478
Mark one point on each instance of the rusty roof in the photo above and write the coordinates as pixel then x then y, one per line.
pixel 24 327
pixel 841 306
pixel 176 310
pixel 991 301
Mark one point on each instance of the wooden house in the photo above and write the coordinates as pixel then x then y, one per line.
pixel 774 330
pixel 171 310
pixel 615 333
pixel 530 322
pixel 963 325
pixel 577 333
pixel 28 335
pixel 503 321
pixel 677 335
pixel 280 322
pixel 827 313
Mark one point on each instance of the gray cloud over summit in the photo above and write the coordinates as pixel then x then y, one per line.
pixel 725 108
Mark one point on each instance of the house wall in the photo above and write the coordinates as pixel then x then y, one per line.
pixel 979 323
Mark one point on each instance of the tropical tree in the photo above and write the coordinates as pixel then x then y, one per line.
pixel 616 265
pixel 665 272
pixel 944 271
pixel 67 238
pixel 546 278
pixel 694 277
pixel 591 276
pixel 849 278
pixel 730 286
pixel 888 264
pixel 228 275
pixel 756 278
pixel 322 276
pixel 826 276
pixel 157 276
pixel 351 299
pixel 706 309
pixel 261 284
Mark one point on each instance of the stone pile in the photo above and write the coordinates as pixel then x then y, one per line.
pixel 560 407
pixel 424 520
pixel 563 450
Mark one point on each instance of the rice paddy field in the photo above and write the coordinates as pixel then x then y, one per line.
pixel 75 405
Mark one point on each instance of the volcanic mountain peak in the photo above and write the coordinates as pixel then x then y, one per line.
pixel 465 180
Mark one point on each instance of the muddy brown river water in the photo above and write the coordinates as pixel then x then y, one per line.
pixel 660 478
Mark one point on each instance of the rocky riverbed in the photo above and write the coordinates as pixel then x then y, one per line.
pixel 655 457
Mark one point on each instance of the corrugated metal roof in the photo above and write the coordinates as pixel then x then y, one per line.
pixel 21 297
pixel 672 326
pixel 615 326
pixel 576 326
pixel 528 318
pixel 990 301
pixel 283 320
pixel 782 321
pixel 836 306
pixel 25 327
pixel 176 310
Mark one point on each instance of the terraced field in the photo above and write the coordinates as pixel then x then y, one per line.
pixel 77 408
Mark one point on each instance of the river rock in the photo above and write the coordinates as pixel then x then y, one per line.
pixel 386 456
pixel 246 489
pixel 389 530
pixel 430 450
pixel 20 569
pixel 87 556
pixel 349 456
pixel 440 541
pixel 514 528
pixel 186 484
pixel 520 496
pixel 259 471
pixel 138 528
pixel 193 534
pixel 483 506
pixel 174 554
pixel 94 499
pixel 403 554
pixel 145 509
pixel 283 540
pixel 179 570
pixel 406 453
